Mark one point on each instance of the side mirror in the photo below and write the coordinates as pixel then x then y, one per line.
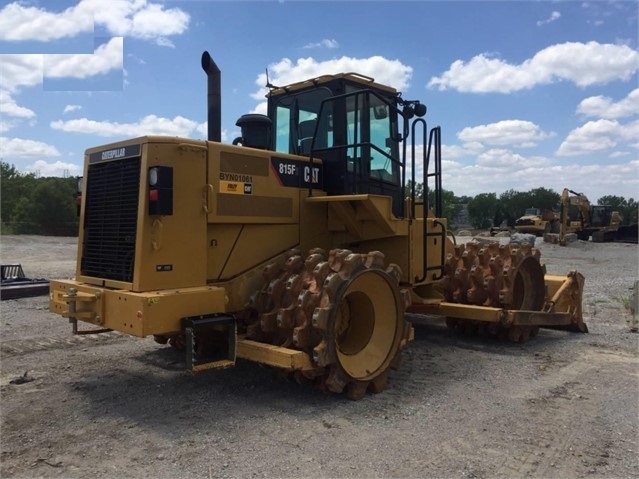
pixel 408 111
pixel 380 112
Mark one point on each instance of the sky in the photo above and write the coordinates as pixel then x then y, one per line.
pixel 528 94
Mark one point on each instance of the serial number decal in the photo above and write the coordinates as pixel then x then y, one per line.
pixel 297 173
pixel 235 177
pixel 236 188
pixel 115 153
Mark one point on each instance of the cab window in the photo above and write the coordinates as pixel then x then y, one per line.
pixel 296 119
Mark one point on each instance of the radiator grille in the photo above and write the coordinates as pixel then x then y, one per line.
pixel 110 219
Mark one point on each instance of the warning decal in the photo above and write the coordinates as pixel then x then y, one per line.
pixel 236 188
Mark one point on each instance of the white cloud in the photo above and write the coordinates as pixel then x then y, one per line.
pixel 20 70
pixel 136 59
pixel 149 125
pixel 154 22
pixel 508 132
pixel 500 170
pixel 419 170
pixel 501 158
pixel 454 152
pixel 584 64
pixel 203 132
pixel 326 43
pixel 388 72
pixel 605 107
pixel 260 108
pixel 630 131
pixel 107 57
pixel 70 108
pixel 134 18
pixel 57 168
pixel 20 148
pixel 20 22
pixel 9 107
pixel 597 136
pixel 554 16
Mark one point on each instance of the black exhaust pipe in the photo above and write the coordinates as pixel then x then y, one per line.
pixel 214 103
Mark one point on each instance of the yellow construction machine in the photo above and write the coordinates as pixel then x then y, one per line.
pixel 296 246
pixel 598 221
pixel 536 222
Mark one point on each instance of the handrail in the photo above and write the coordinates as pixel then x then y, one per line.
pixel 434 145
pixel 425 151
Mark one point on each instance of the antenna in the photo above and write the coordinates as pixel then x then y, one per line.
pixel 269 85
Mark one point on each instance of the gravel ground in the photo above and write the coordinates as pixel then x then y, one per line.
pixel 561 405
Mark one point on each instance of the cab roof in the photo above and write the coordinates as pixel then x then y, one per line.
pixel 351 77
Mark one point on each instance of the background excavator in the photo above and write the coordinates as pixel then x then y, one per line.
pixel 296 246
pixel 598 221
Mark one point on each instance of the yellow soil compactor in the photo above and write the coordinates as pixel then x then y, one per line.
pixel 296 246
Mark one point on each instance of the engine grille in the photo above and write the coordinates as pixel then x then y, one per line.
pixel 525 222
pixel 110 219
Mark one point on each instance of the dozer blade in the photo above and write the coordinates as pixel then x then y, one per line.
pixel 503 290
pixel 560 309
pixel 564 294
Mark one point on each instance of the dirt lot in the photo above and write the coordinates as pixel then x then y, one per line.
pixel 561 405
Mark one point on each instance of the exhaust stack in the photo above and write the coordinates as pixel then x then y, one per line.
pixel 214 103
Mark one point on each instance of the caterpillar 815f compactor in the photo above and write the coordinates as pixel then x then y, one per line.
pixel 296 246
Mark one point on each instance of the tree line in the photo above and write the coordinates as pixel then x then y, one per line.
pixel 46 206
pixel 32 205
pixel 489 209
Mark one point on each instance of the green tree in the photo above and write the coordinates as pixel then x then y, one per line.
pixel 617 202
pixel 544 199
pixel 451 205
pixel 14 186
pixel 50 209
pixel 512 205
pixel 629 209
pixel 419 189
pixel 631 215
pixel 482 210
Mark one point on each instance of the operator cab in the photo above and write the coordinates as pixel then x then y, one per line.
pixel 352 124
pixel 600 215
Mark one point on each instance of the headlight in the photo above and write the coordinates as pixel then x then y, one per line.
pixel 153 176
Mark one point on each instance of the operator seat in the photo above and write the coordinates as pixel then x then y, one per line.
pixel 306 130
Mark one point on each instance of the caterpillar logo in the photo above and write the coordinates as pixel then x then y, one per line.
pixel 115 153
pixel 111 154
pixel 296 173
